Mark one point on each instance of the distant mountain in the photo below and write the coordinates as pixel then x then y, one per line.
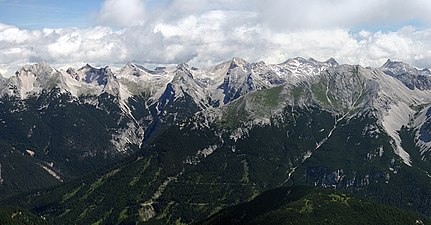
pixel 410 76
pixel 179 144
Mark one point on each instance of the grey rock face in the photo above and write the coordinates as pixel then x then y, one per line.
pixel 410 76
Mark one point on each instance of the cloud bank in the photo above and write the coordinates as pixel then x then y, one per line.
pixel 202 32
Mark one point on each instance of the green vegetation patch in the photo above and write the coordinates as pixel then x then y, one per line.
pixel 308 206
pixel 319 92
pixel 18 216
pixel 339 198
pixel 296 93
pixel 267 97
pixel 288 206
pixel 234 114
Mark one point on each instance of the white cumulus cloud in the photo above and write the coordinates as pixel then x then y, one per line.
pixel 121 12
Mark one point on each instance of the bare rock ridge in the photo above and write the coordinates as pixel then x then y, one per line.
pixel 152 99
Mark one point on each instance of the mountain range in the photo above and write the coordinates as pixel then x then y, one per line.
pixel 176 145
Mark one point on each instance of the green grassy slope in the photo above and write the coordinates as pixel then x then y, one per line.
pixel 305 205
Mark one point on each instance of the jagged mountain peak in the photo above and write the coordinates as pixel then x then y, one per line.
pixel 332 62
pixel 392 64
pixel 87 66
pixel 297 69
pixel 260 64
pixel 395 68
pixel 238 62
pixel 91 74
pixel 426 71
pixel 298 60
pixel 129 66
pixel 407 74
pixel 183 67
pixel 181 72
pixel 183 86
pixel 90 68
pixel 37 69
pixel 132 69
pixel 33 78
pixel 225 82
pixel 132 65
pixel 310 59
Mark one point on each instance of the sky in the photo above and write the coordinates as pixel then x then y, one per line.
pixel 207 32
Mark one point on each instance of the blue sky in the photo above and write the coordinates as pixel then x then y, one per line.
pixel 36 14
pixel 206 32
pixel 48 13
